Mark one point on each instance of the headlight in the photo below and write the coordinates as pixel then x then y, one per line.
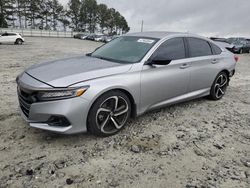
pixel 61 94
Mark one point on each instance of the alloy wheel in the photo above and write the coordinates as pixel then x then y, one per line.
pixel 220 86
pixel 112 114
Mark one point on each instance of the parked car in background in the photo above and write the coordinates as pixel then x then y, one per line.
pixel 81 36
pixel 241 45
pixel 106 39
pixel 225 45
pixel 124 78
pixel 91 37
pixel 15 38
pixel 98 38
pixel 219 39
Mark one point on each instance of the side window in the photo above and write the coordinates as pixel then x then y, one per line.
pixel 12 34
pixel 216 49
pixel 5 34
pixel 171 49
pixel 198 47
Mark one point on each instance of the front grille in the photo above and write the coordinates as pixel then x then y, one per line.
pixel 26 98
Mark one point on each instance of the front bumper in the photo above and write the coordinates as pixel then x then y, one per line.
pixel 75 110
pixel 66 116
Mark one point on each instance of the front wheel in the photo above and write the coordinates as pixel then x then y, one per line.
pixel 109 113
pixel 19 41
pixel 219 86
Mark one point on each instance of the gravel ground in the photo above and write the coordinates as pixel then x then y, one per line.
pixel 200 143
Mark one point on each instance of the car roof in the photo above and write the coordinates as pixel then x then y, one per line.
pixel 154 34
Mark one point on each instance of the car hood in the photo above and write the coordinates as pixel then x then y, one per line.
pixel 66 72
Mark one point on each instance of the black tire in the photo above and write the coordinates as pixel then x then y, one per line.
pixel 219 86
pixel 19 41
pixel 105 117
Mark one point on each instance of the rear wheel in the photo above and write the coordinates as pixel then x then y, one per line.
pixel 109 113
pixel 219 86
pixel 19 41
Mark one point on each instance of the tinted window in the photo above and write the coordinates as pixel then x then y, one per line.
pixel 11 34
pixel 5 34
pixel 198 47
pixel 172 49
pixel 216 49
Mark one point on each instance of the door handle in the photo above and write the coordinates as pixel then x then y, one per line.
pixel 214 61
pixel 184 66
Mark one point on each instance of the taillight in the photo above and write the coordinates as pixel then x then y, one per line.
pixel 236 58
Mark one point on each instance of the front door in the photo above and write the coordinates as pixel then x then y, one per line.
pixel 160 83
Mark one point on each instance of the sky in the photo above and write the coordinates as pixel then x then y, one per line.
pixel 220 18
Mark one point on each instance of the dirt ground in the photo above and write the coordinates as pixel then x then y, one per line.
pixel 201 143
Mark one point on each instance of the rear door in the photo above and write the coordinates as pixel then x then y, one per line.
pixel 204 64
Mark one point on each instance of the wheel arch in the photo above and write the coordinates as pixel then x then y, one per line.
pixel 226 71
pixel 132 101
pixel 126 92
pixel 19 39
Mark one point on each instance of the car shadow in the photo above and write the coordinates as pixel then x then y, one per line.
pixel 87 137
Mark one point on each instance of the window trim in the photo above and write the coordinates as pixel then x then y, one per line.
pixel 188 45
pixel 213 50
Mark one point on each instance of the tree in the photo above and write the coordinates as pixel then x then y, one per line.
pixel 56 13
pixel 80 15
pixel 64 19
pixel 74 13
pixel 7 13
pixel 103 16
pixel 33 12
pixel 124 25
pixel 45 14
pixel 3 22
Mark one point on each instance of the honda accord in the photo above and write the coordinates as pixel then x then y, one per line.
pixel 132 74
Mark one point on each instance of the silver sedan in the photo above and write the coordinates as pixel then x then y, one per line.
pixel 125 78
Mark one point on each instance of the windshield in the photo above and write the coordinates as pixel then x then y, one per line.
pixel 127 49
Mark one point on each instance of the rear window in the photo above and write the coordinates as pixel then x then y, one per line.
pixel 198 47
pixel 216 49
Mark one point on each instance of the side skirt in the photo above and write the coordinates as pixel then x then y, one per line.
pixel 178 99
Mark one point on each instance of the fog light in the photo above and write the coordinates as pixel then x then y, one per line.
pixel 58 121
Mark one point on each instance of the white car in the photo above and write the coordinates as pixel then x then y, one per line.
pixel 15 38
pixel 98 38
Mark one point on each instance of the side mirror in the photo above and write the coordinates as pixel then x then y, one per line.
pixel 158 61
